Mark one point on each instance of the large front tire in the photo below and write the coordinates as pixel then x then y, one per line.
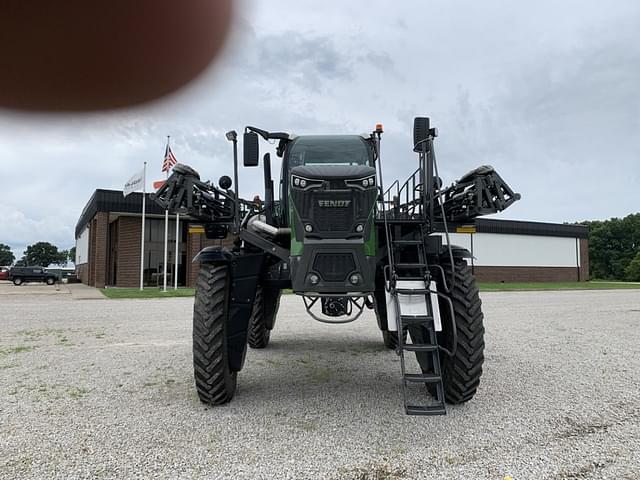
pixel 389 338
pixel 215 382
pixel 461 373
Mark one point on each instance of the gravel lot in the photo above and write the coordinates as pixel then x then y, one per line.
pixel 103 388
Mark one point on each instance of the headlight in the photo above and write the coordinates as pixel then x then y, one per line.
pixel 363 183
pixel 304 182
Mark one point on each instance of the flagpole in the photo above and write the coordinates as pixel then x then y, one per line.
pixel 166 235
pixel 175 285
pixel 144 195
pixel 166 240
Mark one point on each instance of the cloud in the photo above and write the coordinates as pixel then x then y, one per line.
pixel 290 58
pixel 547 93
pixel 24 230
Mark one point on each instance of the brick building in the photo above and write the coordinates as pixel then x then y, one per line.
pixel 108 237
pixel 109 230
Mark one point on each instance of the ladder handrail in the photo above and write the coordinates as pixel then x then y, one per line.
pixel 403 199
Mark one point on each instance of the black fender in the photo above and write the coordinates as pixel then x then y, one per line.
pixel 215 255
pixel 457 251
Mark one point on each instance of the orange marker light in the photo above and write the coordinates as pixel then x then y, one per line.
pixel 378 127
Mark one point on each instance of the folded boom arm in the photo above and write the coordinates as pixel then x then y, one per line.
pixel 185 193
pixel 480 192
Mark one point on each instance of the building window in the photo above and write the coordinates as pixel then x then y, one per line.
pixel 154 252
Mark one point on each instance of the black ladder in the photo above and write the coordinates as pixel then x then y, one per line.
pixel 422 328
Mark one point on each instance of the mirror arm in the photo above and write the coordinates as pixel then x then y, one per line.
pixel 263 133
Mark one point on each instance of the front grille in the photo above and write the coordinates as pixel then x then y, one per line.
pixel 333 219
pixel 336 220
pixel 334 267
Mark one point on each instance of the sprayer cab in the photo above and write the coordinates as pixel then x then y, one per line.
pixel 331 195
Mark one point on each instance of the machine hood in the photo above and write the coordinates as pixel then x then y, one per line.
pixel 333 172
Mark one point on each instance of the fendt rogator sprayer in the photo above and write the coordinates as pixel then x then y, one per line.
pixel 344 243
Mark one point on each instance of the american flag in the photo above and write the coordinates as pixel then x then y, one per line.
pixel 169 160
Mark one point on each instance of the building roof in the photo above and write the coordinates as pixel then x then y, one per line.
pixel 520 227
pixel 113 201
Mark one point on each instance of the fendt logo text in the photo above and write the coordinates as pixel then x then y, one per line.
pixel 334 203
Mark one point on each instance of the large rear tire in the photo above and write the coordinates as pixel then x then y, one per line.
pixel 215 382
pixel 258 333
pixel 461 373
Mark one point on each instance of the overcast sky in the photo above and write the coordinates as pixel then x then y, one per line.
pixel 548 93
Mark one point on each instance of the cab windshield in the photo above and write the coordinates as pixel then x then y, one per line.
pixel 330 150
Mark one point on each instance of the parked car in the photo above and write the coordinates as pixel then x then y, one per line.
pixel 63 273
pixel 4 273
pixel 19 275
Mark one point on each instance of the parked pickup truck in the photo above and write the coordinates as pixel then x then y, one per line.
pixel 19 275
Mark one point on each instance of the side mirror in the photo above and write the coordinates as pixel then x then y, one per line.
pixel 251 150
pixel 225 182
pixel 420 132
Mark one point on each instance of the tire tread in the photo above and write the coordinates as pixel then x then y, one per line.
pixel 258 333
pixel 215 383
pixel 461 373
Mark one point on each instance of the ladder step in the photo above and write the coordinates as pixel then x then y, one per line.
pixel 407 242
pixel 420 348
pixel 425 410
pixel 412 291
pixel 410 265
pixel 416 320
pixel 401 221
pixel 422 377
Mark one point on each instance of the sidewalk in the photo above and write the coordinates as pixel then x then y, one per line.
pixel 80 291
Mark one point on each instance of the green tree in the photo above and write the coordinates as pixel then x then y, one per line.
pixel 72 254
pixel 613 244
pixel 6 255
pixel 63 258
pixel 43 253
pixel 632 271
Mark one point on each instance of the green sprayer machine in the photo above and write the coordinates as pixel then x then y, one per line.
pixel 344 242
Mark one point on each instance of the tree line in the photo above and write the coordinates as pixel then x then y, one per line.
pixel 614 248
pixel 40 254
